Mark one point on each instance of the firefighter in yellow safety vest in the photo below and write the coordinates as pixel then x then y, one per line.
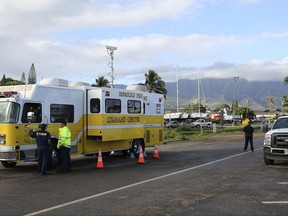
pixel 64 146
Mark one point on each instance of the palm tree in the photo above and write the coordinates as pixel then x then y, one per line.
pixel 271 102
pixel 154 83
pixel 286 80
pixel 284 100
pixel 101 82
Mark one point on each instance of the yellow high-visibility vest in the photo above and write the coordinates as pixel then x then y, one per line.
pixel 64 137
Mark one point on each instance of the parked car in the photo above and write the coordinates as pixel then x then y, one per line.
pixel 172 124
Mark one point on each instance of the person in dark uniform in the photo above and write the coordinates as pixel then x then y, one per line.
pixel 43 140
pixel 248 130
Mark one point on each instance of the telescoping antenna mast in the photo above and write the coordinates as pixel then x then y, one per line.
pixel 110 51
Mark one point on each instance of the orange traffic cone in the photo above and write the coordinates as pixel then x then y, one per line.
pixel 156 154
pixel 141 156
pixel 99 164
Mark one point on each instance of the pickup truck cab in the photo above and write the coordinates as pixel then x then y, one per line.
pixel 276 141
pixel 201 123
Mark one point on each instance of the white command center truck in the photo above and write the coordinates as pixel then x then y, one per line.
pixel 276 141
pixel 106 119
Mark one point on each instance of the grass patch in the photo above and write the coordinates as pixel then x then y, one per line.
pixel 186 133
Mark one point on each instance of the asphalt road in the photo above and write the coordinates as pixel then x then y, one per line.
pixel 190 178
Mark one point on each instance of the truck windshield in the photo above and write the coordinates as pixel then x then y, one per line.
pixel 281 123
pixel 9 112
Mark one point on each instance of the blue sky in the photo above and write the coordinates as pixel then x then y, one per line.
pixel 212 38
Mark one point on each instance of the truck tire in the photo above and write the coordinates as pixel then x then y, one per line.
pixel 125 153
pixel 268 161
pixel 53 159
pixel 54 156
pixel 135 147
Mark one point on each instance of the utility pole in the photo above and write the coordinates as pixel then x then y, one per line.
pixel 199 97
pixel 177 89
pixel 234 101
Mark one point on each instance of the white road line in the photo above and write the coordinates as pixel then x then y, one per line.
pixel 283 183
pixel 275 202
pixel 135 184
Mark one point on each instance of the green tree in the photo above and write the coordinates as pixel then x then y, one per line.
pixel 221 106
pixel 23 78
pixel 9 81
pixel 101 82
pixel 224 106
pixel 195 108
pixel 3 80
pixel 284 100
pixel 32 75
pixel 188 108
pixel 245 112
pixel 271 102
pixel 286 80
pixel 154 83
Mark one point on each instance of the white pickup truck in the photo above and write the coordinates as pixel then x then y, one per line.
pixel 276 141
pixel 201 123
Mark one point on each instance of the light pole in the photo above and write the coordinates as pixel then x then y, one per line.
pixel 110 51
pixel 177 89
pixel 234 100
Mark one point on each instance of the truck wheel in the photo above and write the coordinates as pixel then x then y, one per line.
pixel 9 164
pixel 268 161
pixel 135 147
pixel 125 153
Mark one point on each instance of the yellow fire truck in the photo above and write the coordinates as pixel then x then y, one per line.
pixel 109 119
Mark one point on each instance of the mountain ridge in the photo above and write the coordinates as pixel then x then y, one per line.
pixel 253 94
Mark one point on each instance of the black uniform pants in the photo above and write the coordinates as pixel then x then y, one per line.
pixel 65 159
pixel 43 155
pixel 249 139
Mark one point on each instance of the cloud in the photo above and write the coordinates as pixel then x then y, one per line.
pixel 46 33
pixel 249 1
pixel 24 17
pixel 135 56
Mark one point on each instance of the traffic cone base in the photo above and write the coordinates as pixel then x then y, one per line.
pixel 99 164
pixel 156 153
pixel 141 157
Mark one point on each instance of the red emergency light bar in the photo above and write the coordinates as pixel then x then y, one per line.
pixel 8 93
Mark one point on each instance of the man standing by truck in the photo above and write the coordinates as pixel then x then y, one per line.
pixel 64 145
pixel 43 140
pixel 248 130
